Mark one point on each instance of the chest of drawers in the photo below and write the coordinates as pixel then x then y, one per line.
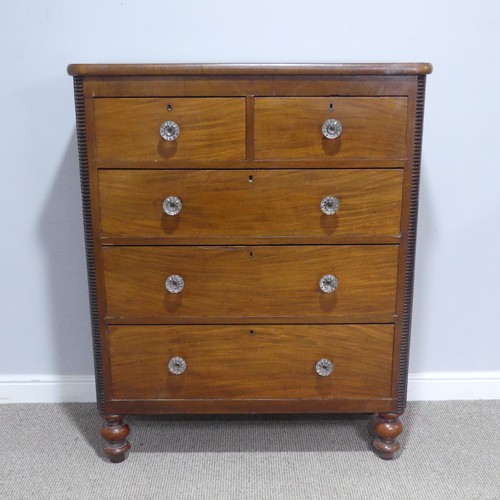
pixel 250 238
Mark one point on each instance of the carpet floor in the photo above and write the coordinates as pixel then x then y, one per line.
pixel 450 450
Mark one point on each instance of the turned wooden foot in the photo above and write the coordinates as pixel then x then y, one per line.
pixel 115 432
pixel 386 427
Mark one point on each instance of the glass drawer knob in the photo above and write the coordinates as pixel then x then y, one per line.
pixel 328 283
pixel 169 131
pixel 177 365
pixel 324 367
pixel 172 205
pixel 330 205
pixel 332 128
pixel 174 283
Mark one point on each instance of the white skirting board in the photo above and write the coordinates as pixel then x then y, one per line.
pixel 47 389
pixel 441 386
pixel 429 386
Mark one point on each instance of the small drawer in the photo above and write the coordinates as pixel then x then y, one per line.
pixel 372 128
pixel 251 362
pixel 235 284
pixel 194 205
pixel 207 128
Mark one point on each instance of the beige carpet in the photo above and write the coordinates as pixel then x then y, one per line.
pixel 450 450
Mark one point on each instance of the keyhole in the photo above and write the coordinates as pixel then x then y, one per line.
pixel 169 107
pixel 331 106
pixel 251 332
pixel 251 255
pixel 250 178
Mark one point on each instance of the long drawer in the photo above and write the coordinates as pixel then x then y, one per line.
pixel 218 204
pixel 262 361
pixel 236 284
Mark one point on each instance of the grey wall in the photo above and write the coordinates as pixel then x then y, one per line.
pixel 43 294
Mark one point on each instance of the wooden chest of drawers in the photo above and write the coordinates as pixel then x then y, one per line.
pixel 250 236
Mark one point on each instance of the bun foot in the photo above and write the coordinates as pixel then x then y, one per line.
pixel 115 432
pixel 386 427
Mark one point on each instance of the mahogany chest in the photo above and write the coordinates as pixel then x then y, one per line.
pixel 250 238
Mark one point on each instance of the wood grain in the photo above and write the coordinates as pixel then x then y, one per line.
pixel 264 284
pixel 241 86
pixel 321 163
pixel 386 427
pixel 249 406
pixel 115 432
pixel 290 127
pixel 261 281
pixel 349 69
pixel 251 203
pixel 251 362
pixel 128 129
pixel 408 244
pixel 89 193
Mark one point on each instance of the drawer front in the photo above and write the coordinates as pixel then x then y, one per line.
pixel 254 362
pixel 266 282
pixel 209 128
pixel 291 127
pixel 250 203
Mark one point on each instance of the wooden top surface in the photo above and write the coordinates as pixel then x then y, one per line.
pixel 249 69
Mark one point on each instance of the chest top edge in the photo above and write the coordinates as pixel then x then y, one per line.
pixel 418 68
